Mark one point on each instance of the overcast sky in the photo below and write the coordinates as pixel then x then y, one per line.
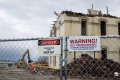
pixel 33 18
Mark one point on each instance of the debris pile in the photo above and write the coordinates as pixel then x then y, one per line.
pixel 45 71
pixel 88 66
pixel 43 68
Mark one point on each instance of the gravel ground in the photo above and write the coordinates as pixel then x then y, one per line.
pixel 20 74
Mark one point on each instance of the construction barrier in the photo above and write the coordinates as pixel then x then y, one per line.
pixel 103 64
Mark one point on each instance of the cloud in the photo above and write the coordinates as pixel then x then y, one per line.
pixel 14 50
pixel 33 18
pixel 24 18
pixel 29 18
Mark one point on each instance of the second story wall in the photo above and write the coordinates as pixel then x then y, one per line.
pixel 93 25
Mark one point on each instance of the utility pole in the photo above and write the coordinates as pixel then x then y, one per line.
pixel 92 6
pixel 107 9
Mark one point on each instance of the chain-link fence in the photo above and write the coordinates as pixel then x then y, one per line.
pixel 96 65
pixel 20 60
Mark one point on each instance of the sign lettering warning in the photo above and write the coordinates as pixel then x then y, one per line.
pixel 49 42
pixel 83 43
pixel 48 47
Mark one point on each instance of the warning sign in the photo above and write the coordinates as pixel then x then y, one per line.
pixel 48 47
pixel 83 43
pixel 49 42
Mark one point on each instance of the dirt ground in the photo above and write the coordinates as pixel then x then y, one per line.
pixel 21 74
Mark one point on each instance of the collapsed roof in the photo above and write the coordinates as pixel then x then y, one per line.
pixel 91 13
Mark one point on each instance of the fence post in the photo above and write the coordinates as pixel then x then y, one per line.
pixel 119 56
pixel 61 59
pixel 94 54
pixel 74 55
pixel 65 58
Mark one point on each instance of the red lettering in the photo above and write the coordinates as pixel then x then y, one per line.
pixel 96 40
pixel 76 41
pixel 72 41
pixel 89 40
pixel 83 41
pixel 79 40
pixel 93 40
pixel 49 42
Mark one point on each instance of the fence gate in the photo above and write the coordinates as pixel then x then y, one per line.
pixel 19 60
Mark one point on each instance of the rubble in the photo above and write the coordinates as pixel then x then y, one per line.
pixel 88 66
pixel 76 14
pixel 47 71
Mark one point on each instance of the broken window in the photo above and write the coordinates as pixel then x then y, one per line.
pixel 103 27
pixel 118 28
pixel 83 27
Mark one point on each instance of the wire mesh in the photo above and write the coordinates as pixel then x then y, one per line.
pixel 96 65
pixel 14 61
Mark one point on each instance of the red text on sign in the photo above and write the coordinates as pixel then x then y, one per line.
pixel 83 41
pixel 49 42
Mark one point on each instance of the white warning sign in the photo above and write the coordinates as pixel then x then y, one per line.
pixel 48 47
pixel 83 43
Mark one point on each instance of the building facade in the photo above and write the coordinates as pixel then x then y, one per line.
pixel 92 24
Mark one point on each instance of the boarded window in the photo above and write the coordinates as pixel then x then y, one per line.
pixel 103 27
pixel 118 28
pixel 83 27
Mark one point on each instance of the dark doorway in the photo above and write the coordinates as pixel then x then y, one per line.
pixel 104 54
pixel 103 27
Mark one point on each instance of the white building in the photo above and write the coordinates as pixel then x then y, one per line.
pixel 92 24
